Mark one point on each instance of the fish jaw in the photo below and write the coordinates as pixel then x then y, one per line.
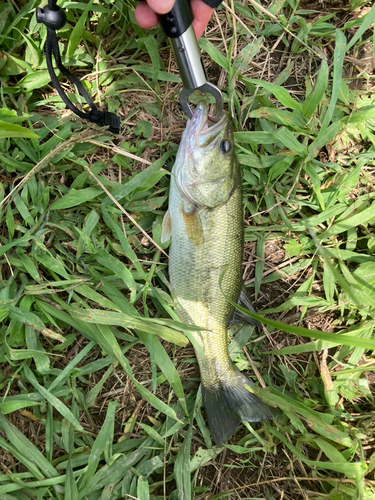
pixel 198 123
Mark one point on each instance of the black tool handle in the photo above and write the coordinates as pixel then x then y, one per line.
pixel 178 20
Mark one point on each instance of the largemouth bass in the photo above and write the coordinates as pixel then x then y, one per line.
pixel 205 223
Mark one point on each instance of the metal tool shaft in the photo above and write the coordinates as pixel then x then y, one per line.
pixel 177 25
pixel 188 59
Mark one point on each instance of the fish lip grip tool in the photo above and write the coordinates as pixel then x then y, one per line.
pixel 178 27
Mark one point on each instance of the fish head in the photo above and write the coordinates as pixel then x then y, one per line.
pixel 206 168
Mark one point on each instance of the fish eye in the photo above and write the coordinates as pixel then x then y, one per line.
pixel 225 146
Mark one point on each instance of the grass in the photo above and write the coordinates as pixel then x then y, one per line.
pixel 100 393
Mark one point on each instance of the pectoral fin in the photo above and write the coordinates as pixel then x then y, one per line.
pixel 193 225
pixel 244 301
pixel 166 227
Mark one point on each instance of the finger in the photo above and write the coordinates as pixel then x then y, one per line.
pixel 145 17
pixel 202 14
pixel 161 6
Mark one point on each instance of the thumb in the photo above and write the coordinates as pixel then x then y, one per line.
pixel 161 6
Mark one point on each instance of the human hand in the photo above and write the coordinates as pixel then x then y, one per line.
pixel 146 13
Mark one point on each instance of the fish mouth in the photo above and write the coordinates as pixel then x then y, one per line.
pixel 200 132
pixel 201 127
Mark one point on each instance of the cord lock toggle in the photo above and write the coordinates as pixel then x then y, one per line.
pixel 53 19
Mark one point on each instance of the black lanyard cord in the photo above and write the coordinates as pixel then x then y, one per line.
pixel 54 19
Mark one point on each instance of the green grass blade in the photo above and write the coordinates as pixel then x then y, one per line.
pixel 113 472
pixel 366 22
pixel 182 465
pixel 76 35
pixel 143 491
pixel 214 53
pixel 142 181
pixel 101 317
pixel 362 218
pixel 11 406
pixel 167 367
pixel 353 469
pixel 8 130
pixel 305 332
pixel 102 442
pixel 117 267
pixel 76 197
pixel 259 266
pixel 313 100
pixel 24 446
pixel 60 379
pixel 281 94
pixel 53 400
pixel 338 60
pixel 287 138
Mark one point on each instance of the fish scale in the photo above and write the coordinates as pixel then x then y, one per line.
pixel 205 223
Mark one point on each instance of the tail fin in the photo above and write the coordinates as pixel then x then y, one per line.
pixel 228 403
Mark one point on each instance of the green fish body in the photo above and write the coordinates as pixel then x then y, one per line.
pixel 205 223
